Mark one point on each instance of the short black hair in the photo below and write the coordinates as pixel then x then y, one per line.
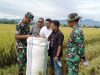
pixel 49 20
pixel 56 22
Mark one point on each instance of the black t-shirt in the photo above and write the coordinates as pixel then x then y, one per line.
pixel 56 40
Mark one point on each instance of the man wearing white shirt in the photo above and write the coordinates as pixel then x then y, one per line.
pixel 46 30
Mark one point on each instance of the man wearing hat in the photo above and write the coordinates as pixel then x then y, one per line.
pixel 75 46
pixel 22 32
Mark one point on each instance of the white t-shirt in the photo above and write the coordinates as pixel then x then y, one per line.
pixel 45 32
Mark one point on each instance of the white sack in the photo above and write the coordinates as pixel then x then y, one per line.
pixel 36 56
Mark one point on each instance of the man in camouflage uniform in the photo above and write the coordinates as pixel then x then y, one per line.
pixel 75 46
pixel 22 32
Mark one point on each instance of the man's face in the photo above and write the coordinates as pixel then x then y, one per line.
pixel 53 27
pixel 40 22
pixel 71 23
pixel 47 24
pixel 26 20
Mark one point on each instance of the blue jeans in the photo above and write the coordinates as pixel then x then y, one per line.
pixel 58 69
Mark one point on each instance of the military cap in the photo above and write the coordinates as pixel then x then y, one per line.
pixel 73 17
pixel 29 15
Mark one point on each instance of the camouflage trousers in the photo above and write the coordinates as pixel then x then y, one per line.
pixel 21 57
pixel 73 65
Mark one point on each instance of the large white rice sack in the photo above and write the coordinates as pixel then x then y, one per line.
pixel 36 56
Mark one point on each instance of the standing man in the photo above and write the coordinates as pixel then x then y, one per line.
pixel 22 32
pixel 75 46
pixel 55 48
pixel 46 30
pixel 36 29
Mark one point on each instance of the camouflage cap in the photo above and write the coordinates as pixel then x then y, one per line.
pixel 73 17
pixel 29 15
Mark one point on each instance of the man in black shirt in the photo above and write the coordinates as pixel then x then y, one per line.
pixel 55 48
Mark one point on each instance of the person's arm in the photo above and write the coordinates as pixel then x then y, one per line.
pixel 59 50
pixel 60 42
pixel 18 37
pixel 17 34
pixel 79 42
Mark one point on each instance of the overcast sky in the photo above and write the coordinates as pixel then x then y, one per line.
pixel 55 9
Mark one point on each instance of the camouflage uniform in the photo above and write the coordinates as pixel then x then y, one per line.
pixel 75 50
pixel 21 45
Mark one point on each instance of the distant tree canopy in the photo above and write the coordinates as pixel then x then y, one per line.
pixel 96 26
pixel 64 25
pixel 8 22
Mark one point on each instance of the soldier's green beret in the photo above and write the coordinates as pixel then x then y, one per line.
pixel 73 17
pixel 29 15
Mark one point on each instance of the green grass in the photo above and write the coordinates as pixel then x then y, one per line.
pixel 10 70
pixel 8 52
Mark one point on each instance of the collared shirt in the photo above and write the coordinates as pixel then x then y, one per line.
pixel 75 44
pixel 56 40
pixel 35 31
pixel 45 32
